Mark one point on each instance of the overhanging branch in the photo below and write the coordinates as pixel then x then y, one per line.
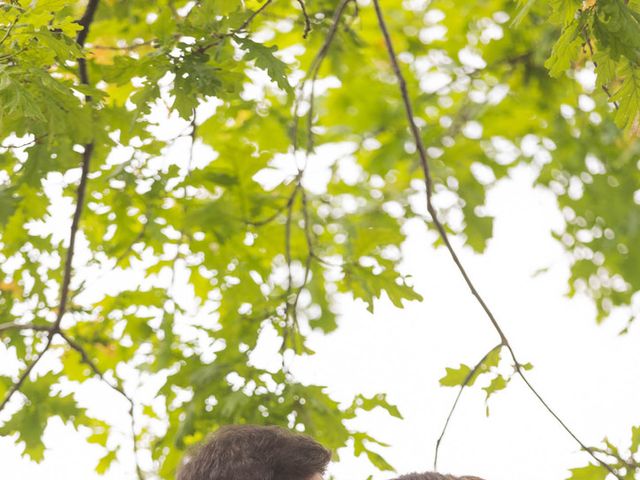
pixel 428 180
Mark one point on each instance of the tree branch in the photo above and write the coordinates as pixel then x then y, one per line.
pixel 85 22
pixel 307 20
pixel 464 385
pixel 291 305
pixel 23 326
pixel 428 180
pixel 17 385
pixel 251 18
pixel 313 73
pixel 116 387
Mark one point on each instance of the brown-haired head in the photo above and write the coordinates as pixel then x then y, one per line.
pixel 252 452
pixel 434 476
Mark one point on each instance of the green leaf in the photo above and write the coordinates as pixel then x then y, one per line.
pixel 590 472
pixel 266 60
pixel 457 377
pixel 628 98
pixel 564 11
pixel 566 49
pixel 105 462
pixel 498 383
pixel 635 439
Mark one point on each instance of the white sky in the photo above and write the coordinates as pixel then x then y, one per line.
pixel 589 374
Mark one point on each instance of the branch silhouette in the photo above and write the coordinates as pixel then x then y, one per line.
pixel 428 181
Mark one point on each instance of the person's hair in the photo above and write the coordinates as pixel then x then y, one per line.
pixel 433 476
pixel 251 452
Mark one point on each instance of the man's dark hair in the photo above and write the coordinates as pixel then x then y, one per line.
pixel 251 452
pixel 433 476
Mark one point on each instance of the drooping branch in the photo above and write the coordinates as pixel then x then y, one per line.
pixel 428 181
pixel 293 298
pixel 464 385
pixel 116 387
pixel 312 76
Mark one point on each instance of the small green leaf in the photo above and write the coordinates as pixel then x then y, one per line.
pixel 590 472
pixel 566 50
pixel 105 462
pixel 457 377
pixel 266 60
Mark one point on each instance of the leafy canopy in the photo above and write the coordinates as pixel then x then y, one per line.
pixel 206 241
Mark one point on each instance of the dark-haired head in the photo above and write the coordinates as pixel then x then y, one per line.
pixel 433 476
pixel 251 452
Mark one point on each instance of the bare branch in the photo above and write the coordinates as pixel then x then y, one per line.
pixel 424 163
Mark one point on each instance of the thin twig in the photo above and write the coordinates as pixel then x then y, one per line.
pixel 10 28
pixel 428 180
pixel 116 387
pixel 86 359
pixel 464 385
pixel 307 20
pixel 127 48
pixel 29 143
pixel 24 326
pixel 313 73
pixel 292 305
pixel 288 260
pixel 248 21
pixel 10 5
pixel 309 259
pixel 17 385
pixel 75 223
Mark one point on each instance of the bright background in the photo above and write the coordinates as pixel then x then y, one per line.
pixel 588 373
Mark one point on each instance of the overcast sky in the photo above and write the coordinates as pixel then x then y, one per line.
pixel 588 373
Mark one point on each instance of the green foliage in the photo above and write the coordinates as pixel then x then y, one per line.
pixel 28 424
pixel 566 49
pixel 590 472
pixel 466 376
pixel 201 255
